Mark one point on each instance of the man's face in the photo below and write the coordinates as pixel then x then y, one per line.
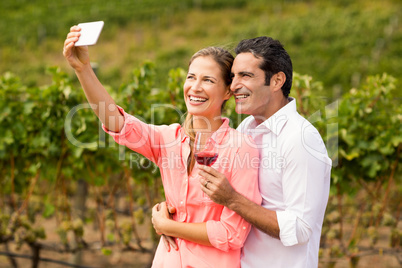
pixel 248 86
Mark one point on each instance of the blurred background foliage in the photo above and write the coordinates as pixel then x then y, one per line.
pixel 337 42
pixel 56 162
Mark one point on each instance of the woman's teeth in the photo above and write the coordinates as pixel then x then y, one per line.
pixel 196 99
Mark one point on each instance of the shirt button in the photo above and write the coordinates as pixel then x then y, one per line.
pixel 181 202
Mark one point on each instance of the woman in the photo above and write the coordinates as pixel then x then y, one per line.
pixel 208 235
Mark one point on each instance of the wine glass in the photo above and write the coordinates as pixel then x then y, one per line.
pixel 205 152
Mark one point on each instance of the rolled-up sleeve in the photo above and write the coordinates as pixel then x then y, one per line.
pixel 143 138
pixel 293 230
pixel 232 230
pixel 305 188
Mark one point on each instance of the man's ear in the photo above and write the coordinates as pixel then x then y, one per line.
pixel 277 81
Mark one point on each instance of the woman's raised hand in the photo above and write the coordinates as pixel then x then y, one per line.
pixel 77 57
pixel 102 103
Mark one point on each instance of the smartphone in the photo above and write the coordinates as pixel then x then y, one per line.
pixel 90 32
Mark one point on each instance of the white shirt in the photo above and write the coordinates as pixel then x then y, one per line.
pixel 294 180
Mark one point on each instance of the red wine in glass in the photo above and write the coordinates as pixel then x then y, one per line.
pixel 205 152
pixel 206 158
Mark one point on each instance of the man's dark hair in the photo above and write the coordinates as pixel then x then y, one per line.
pixel 274 58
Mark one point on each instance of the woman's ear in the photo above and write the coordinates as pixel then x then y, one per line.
pixel 277 81
pixel 228 93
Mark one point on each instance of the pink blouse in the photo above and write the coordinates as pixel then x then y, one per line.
pixel 168 147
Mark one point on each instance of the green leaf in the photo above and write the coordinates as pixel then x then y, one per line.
pixel 7 138
pixel 373 169
pixel 110 237
pixel 99 181
pixel 387 150
pixel 48 210
pixel 396 140
pixel 352 155
pixel 347 137
pixel 106 251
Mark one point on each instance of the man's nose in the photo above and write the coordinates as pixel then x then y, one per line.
pixel 235 84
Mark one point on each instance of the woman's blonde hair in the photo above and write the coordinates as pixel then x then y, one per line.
pixel 225 61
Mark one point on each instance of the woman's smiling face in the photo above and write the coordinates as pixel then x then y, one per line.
pixel 205 89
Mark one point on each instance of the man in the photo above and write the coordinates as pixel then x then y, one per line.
pixel 294 174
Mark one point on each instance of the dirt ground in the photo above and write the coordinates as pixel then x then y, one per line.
pixel 124 259
pixel 370 261
pixel 87 258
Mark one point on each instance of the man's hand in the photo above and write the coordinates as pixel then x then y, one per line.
pixel 216 185
pixel 171 210
pixel 167 240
